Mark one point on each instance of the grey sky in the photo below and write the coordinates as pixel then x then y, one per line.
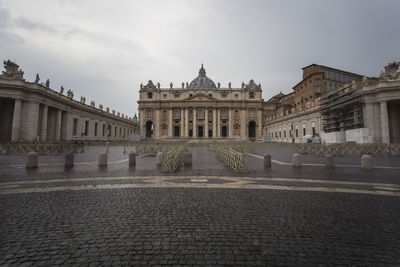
pixel 105 49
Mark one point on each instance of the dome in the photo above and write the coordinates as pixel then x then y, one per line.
pixel 202 81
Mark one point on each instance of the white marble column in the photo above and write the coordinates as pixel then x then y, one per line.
pixel 194 123
pixel 186 133
pixel 58 125
pixel 385 123
pixel 170 134
pixel 230 123
pixel 43 125
pixel 182 132
pixel 206 122
pixel 214 131
pixel 16 124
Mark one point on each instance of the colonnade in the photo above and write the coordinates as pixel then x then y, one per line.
pixel 196 122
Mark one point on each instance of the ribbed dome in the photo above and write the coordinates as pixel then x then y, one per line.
pixel 202 81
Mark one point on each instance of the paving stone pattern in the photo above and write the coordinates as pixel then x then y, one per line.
pixel 186 226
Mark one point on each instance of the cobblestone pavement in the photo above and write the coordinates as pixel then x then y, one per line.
pixel 203 215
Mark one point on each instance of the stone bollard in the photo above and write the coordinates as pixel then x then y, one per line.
pixel 159 159
pixel 296 160
pixel 132 158
pixel 329 161
pixel 69 160
pixel 267 160
pixel 31 160
pixel 366 162
pixel 103 160
pixel 187 159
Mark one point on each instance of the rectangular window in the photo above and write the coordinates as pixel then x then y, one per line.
pixel 236 96
pixel 210 114
pixel 176 95
pixel 149 95
pixel 284 133
pixel 224 95
pixel 177 113
pixel 200 113
pixel 95 129
pixel 297 132
pixel 224 113
pixel 252 115
pixel 304 131
pixel 86 128
pixel 115 131
pixel 75 127
pixel 165 95
pixel 210 95
pixel 104 129
pixel 149 114
pixel 251 95
pixel 313 131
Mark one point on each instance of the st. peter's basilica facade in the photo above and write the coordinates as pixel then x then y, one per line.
pixel 200 109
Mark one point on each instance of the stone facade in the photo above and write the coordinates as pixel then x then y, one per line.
pixel 30 111
pixel 201 109
pixel 338 106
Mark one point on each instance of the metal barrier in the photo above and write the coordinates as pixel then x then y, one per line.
pixel 154 148
pixel 349 149
pixel 173 159
pixel 231 157
pixel 41 148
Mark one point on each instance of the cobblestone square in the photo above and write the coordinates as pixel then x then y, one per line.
pixel 205 214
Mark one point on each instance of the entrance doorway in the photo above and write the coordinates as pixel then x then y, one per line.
pixel 224 131
pixel 252 129
pixel 149 129
pixel 190 133
pixel 209 133
pixel 200 131
pixel 176 131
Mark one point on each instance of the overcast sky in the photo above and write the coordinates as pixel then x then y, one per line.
pixel 105 49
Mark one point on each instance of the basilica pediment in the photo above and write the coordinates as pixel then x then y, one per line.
pixel 200 97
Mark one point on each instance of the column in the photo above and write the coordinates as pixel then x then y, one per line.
pixel 170 124
pixel 219 122
pixel 194 123
pixel 157 123
pixel 32 122
pixel 243 124
pixel 58 125
pixel 69 128
pixel 182 132
pixel 43 125
pixel 230 123
pixel 16 121
pixel 206 122
pixel 214 132
pixel 186 133
pixel 385 123
pixel 259 122
pixel 142 129
pixel 368 119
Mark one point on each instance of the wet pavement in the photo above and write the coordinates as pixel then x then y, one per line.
pixel 202 215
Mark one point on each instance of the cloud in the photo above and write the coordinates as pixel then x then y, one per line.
pixel 104 51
